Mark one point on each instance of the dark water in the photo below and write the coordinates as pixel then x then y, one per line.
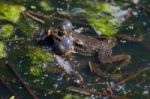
pixel 49 85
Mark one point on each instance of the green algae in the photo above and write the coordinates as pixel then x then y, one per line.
pixel 6 31
pixel 98 15
pixel 36 70
pixel 2 50
pixel 99 20
pixel 10 11
pixel 38 56
pixel 105 25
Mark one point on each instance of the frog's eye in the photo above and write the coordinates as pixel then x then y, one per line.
pixel 61 33
pixel 66 25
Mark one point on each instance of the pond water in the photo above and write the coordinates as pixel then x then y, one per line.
pixel 38 67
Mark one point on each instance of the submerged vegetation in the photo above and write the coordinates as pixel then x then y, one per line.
pixel 32 61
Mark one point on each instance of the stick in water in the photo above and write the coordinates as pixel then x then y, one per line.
pixel 9 89
pixel 21 81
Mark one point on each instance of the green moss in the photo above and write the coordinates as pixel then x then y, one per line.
pixel 2 51
pixel 46 6
pixel 36 70
pixel 105 25
pixel 10 12
pixel 6 31
pixel 38 56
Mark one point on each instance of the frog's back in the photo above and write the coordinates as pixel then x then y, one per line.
pixel 95 42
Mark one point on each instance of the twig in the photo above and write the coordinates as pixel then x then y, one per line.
pixel 143 81
pixel 32 86
pixel 56 18
pixel 21 81
pixel 95 93
pixel 9 89
pixel 33 17
pixel 109 88
pixel 131 77
pixel 144 8
pixel 95 69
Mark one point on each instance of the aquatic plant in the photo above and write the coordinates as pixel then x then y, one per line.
pixel 36 70
pixel 10 11
pixel 2 50
pixel 38 56
pixel 104 23
pixel 38 59
pixel 6 31
pixel 98 14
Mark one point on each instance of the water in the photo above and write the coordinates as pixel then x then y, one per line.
pixel 53 85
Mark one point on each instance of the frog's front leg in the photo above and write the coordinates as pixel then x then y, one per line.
pixel 124 58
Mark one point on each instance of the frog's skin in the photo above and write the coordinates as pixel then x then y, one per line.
pixel 102 47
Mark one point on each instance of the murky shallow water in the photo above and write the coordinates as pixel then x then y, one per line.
pixel 57 84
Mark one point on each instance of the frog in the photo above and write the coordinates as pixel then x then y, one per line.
pixel 101 46
pixel 89 45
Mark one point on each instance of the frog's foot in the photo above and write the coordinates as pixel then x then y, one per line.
pixel 138 38
pixel 125 59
